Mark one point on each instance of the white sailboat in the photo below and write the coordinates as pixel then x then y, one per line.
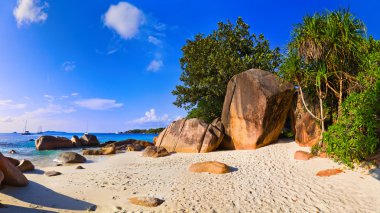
pixel 26 132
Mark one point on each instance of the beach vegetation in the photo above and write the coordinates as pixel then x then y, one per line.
pixel 208 62
pixel 331 59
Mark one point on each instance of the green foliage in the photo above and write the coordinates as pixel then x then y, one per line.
pixel 353 138
pixel 209 62
pixel 146 131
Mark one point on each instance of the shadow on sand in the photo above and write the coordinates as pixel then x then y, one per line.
pixel 39 195
pixel 19 209
pixel 375 173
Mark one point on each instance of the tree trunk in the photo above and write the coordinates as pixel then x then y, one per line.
pixel 322 119
pixel 340 98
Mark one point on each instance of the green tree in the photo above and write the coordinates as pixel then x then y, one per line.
pixel 324 58
pixel 209 62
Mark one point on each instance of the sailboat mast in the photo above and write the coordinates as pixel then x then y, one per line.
pixel 26 123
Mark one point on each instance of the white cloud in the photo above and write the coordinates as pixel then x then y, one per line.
pixel 155 65
pixel 7 119
pixel 98 104
pixel 154 40
pixel 151 117
pixel 74 94
pixel 69 66
pixel 50 109
pixel 49 98
pixel 9 104
pixel 124 18
pixel 30 11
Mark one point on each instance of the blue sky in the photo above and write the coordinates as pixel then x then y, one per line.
pixel 113 64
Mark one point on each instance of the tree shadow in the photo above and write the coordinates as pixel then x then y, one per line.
pixel 38 194
pixel 19 209
pixel 375 173
pixel 35 171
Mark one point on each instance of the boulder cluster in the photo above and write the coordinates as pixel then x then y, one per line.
pixel 11 171
pixel 256 107
pixel 51 142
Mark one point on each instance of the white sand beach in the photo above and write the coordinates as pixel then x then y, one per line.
pixel 263 180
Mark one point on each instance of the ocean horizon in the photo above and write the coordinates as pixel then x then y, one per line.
pixel 24 145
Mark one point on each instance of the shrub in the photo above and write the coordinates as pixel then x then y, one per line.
pixel 353 137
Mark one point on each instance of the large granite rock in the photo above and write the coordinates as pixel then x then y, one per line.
pixel 12 175
pixel 307 129
pixel 191 135
pixel 25 165
pixel 70 157
pixel 51 142
pixel 255 109
pixel 76 141
pixel 89 140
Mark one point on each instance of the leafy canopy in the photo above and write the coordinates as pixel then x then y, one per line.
pixel 209 62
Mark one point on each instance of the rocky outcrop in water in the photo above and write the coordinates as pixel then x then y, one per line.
pixel 51 142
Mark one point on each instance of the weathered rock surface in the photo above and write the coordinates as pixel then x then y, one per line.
pixel 302 155
pixel 70 157
pixel 51 142
pixel 25 165
pixel 255 109
pixel 12 175
pixel 12 151
pixel 307 129
pixel 89 140
pixel 15 162
pixel 191 135
pixel 210 166
pixel 1 177
pixel 146 201
pixel 134 147
pixel 108 150
pixel 76 141
pixel 79 167
pixel 328 172
pixel 52 173
pixel 92 152
pixel 155 152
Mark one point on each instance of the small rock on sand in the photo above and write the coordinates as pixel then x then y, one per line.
pixel 52 173
pixel 302 155
pixel 79 167
pixel 210 166
pixel 329 172
pixel 146 201
pixel 155 152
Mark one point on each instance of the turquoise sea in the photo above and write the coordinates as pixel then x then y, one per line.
pixel 25 148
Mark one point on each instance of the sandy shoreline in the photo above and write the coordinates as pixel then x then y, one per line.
pixel 264 180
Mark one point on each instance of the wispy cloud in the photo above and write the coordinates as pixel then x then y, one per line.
pixel 155 65
pixel 30 11
pixel 74 94
pixel 9 104
pixel 7 119
pixel 69 66
pixel 154 40
pixel 98 104
pixel 124 18
pixel 49 98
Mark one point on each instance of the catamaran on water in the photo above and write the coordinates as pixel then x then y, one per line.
pixel 26 132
